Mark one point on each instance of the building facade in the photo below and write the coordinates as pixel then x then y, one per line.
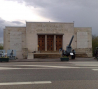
pixel 47 37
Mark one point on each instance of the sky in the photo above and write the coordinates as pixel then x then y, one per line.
pixel 84 13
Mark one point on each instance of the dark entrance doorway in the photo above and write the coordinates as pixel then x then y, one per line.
pixel 41 42
pixel 58 42
pixel 50 42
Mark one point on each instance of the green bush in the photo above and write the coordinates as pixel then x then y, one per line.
pixel 1 47
pixel 94 43
pixel 65 57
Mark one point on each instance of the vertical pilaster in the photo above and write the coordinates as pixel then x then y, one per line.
pixel 45 42
pixel 54 42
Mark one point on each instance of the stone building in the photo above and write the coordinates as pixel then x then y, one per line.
pixel 46 38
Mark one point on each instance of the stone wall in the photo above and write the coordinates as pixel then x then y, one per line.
pixel 15 39
pixel 83 40
pixel 19 38
pixel 34 28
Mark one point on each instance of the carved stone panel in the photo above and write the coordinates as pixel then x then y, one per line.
pixel 16 41
pixel 82 40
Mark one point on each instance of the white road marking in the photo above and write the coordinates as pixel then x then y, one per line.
pixel 80 65
pixel 49 66
pixel 83 62
pixel 43 67
pixel 95 69
pixel 21 83
pixel 9 68
pixel 88 64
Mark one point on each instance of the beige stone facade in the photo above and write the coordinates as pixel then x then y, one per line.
pixel 26 38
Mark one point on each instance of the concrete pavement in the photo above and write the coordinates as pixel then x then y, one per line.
pixel 53 60
pixel 49 75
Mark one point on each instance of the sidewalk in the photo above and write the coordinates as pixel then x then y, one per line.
pixel 53 60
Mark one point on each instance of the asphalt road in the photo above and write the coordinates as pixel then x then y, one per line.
pixel 49 75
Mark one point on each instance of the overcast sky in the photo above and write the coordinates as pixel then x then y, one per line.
pixel 16 12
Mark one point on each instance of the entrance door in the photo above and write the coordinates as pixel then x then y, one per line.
pixel 41 42
pixel 58 42
pixel 50 42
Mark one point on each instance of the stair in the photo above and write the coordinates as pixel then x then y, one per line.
pixel 30 56
pixel 47 55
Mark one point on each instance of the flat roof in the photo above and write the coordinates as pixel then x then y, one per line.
pixel 50 34
pixel 52 22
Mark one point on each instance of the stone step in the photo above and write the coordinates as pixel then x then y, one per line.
pixel 47 52
pixel 47 55
pixel 83 55
pixel 30 56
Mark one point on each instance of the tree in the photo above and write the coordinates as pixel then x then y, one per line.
pixel 94 43
pixel 1 47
